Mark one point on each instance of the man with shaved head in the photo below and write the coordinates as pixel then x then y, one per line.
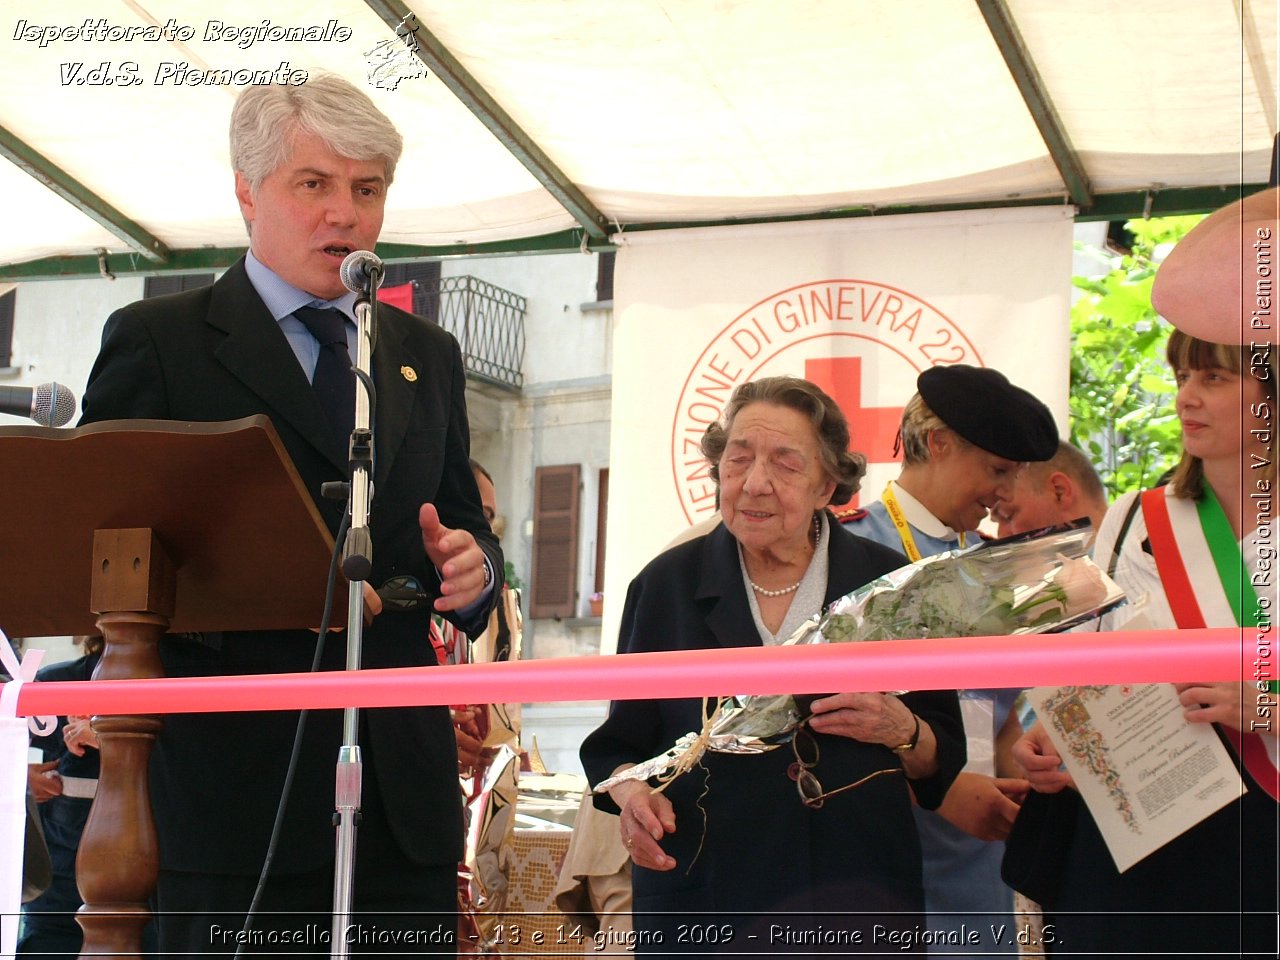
pixel 1050 492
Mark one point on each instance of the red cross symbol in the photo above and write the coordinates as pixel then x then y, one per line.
pixel 871 429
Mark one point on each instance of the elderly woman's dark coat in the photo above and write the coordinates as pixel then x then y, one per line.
pixel 748 852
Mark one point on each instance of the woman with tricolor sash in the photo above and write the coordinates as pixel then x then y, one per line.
pixel 1197 552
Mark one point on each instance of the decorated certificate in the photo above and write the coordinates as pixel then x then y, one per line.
pixel 1146 774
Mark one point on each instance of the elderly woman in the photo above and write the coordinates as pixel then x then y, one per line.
pixel 1215 885
pixel 734 843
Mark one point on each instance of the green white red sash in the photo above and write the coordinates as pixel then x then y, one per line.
pixel 1190 535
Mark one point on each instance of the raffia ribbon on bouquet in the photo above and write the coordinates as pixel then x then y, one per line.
pixel 691 756
pixel 689 750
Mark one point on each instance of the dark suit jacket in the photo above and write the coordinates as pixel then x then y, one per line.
pixel 743 840
pixel 217 354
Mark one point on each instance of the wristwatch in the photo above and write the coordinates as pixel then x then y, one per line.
pixel 910 744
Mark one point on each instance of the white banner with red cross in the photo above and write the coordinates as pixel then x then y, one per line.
pixel 858 306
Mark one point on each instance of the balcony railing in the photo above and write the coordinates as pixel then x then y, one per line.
pixel 486 320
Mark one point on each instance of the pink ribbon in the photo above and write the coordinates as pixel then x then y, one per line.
pixel 937 664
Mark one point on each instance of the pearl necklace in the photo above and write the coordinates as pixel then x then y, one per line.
pixel 817 533
pixel 775 593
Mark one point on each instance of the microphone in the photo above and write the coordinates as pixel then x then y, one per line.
pixel 361 271
pixel 50 404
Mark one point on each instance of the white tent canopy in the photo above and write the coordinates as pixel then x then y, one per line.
pixel 647 111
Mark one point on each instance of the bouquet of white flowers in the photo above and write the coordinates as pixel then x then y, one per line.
pixel 1037 583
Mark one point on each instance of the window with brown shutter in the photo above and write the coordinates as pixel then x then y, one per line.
pixel 7 303
pixel 602 509
pixel 604 274
pixel 555 541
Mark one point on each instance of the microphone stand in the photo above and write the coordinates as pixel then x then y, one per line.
pixel 357 565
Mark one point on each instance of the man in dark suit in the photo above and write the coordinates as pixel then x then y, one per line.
pixel 312 167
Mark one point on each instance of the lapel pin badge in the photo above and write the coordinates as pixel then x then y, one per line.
pixel 409 374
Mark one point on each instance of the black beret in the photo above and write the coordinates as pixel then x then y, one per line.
pixel 982 406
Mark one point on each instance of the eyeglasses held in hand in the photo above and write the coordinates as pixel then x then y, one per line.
pixel 807 785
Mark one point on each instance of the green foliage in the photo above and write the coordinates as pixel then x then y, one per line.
pixel 1122 390
pixel 512 580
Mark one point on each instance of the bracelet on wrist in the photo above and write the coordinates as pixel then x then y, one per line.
pixel 910 744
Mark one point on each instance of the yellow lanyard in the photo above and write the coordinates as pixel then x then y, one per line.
pixel 900 523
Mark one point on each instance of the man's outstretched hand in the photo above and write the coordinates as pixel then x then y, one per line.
pixel 457 556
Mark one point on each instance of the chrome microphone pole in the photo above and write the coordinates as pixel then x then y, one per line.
pixel 362 273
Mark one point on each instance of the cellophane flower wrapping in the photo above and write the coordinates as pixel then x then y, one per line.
pixel 1043 582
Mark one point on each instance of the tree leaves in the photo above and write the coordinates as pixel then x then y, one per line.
pixel 1122 390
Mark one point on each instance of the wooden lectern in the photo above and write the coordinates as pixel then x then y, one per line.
pixel 135 529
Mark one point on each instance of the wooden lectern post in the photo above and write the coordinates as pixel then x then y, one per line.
pixel 119 858
pixel 183 528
